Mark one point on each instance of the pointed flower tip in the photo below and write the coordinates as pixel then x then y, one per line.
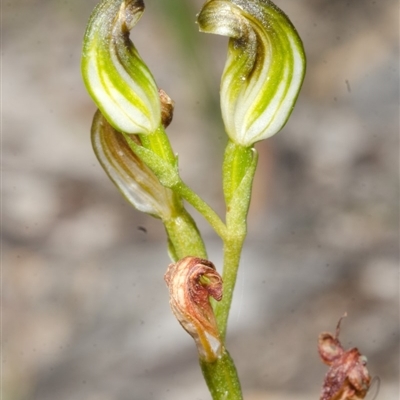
pixel 116 77
pixel 191 281
pixel 264 70
pixel 348 377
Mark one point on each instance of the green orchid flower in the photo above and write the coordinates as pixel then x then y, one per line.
pixel 264 70
pixel 115 76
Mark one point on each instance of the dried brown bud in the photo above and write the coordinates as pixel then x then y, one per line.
pixel 167 108
pixel 191 281
pixel 348 377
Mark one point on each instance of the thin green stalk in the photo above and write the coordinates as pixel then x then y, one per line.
pixel 232 252
pixel 239 168
pixel 202 207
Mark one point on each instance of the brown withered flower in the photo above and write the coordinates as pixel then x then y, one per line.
pixel 348 377
pixel 191 281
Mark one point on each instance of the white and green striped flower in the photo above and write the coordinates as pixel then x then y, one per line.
pixel 116 77
pixel 264 70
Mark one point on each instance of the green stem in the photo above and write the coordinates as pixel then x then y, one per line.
pixel 232 252
pixel 238 172
pixel 184 237
pixel 202 207
pixel 222 379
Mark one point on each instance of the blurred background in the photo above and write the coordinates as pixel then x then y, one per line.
pixel 84 306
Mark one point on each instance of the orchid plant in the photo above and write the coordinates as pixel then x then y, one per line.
pixel 263 75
